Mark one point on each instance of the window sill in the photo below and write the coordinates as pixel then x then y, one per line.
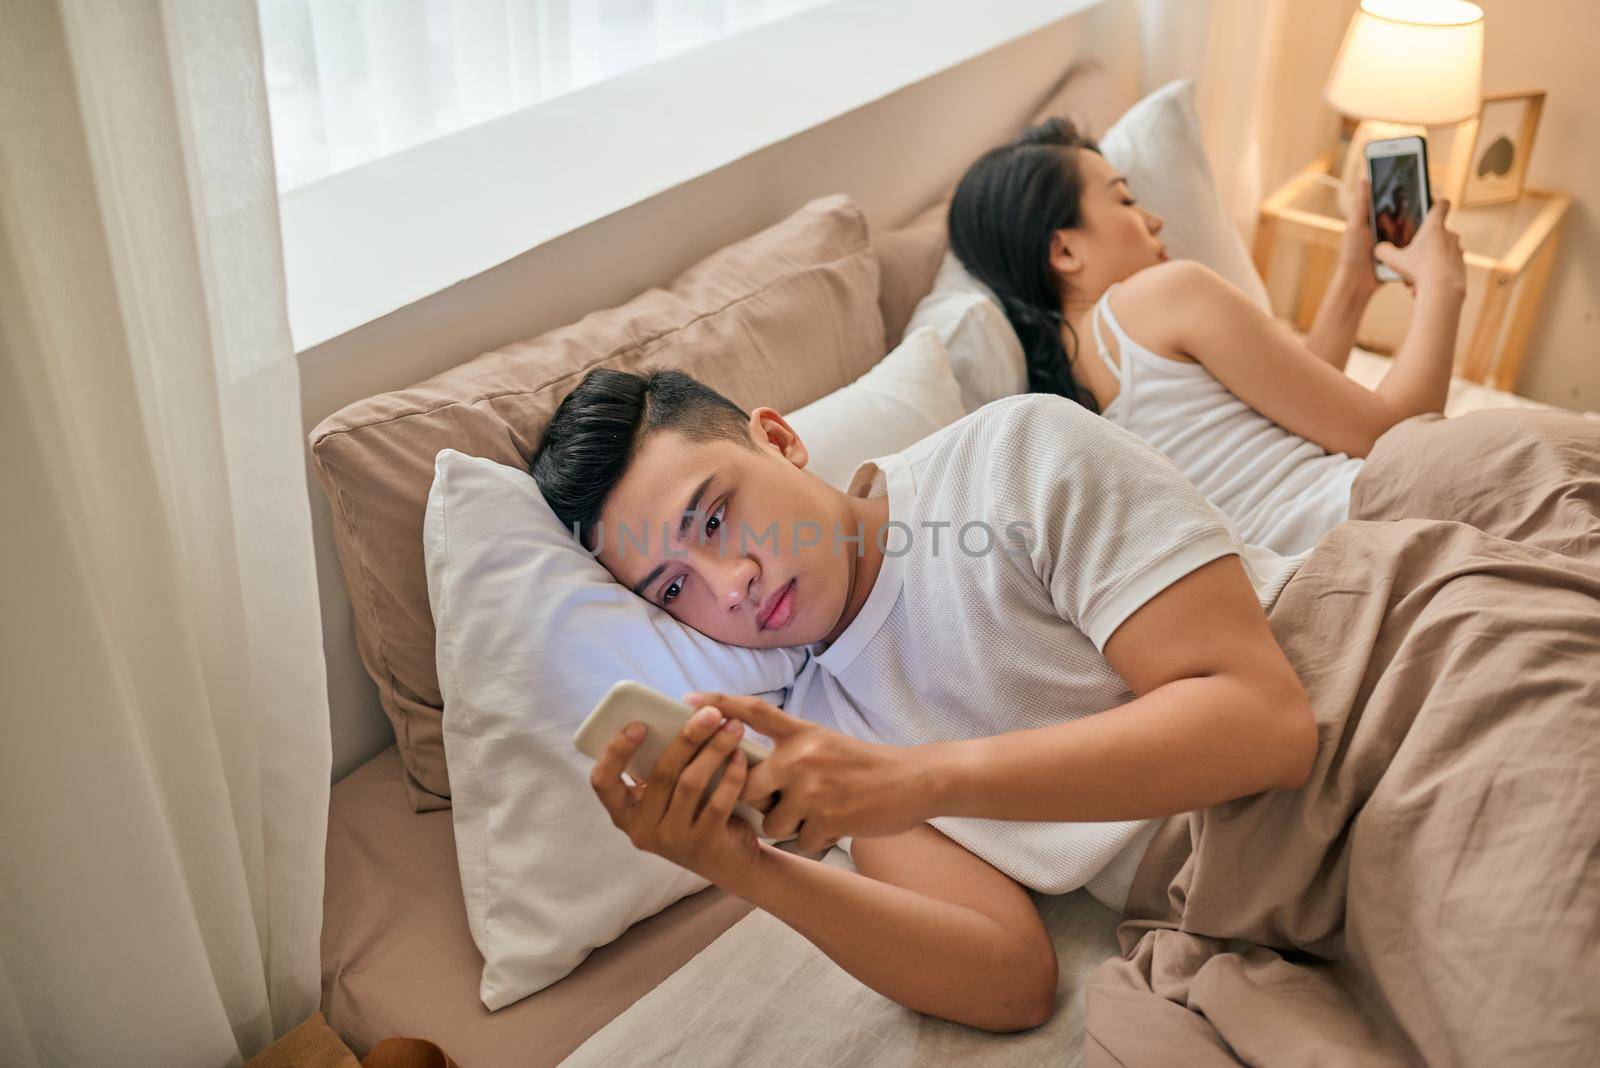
pixel 366 242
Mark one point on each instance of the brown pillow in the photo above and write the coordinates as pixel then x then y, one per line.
pixel 780 318
pixel 908 260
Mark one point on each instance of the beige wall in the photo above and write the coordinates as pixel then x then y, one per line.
pixel 1554 45
pixel 895 156
pixel 1529 44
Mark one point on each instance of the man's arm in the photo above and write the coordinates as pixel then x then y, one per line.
pixel 922 921
pixel 1219 714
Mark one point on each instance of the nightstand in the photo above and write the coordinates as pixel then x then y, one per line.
pixel 1514 242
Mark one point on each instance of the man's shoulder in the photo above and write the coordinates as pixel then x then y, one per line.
pixel 1031 422
pixel 995 449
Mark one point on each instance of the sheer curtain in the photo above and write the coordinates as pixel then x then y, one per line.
pixel 354 80
pixel 164 760
pixel 1258 68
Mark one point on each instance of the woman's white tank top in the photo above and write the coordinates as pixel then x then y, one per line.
pixel 1278 489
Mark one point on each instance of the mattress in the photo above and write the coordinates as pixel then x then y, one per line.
pixel 398 959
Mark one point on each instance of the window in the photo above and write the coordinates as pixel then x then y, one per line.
pixel 421 143
pixel 350 81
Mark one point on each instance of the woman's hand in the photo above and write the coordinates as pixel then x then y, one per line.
pixel 1355 250
pixel 829 785
pixel 663 815
pixel 1433 262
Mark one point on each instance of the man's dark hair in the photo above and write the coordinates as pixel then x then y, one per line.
pixel 594 433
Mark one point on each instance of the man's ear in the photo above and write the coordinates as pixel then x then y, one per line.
pixel 1062 258
pixel 770 428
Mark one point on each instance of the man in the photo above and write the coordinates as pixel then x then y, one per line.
pixel 1029 631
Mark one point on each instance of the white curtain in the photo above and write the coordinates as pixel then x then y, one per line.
pixel 1258 68
pixel 355 80
pixel 164 760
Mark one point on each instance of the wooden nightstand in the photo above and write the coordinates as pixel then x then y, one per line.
pixel 1514 242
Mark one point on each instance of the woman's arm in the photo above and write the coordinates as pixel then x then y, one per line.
pixel 1185 310
pixel 1348 294
pixel 1333 332
pixel 922 920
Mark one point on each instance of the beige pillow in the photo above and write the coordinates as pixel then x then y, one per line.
pixel 908 259
pixel 780 318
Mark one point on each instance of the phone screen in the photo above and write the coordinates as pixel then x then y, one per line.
pixel 1399 199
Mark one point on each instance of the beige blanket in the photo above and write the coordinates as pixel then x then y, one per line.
pixel 1530 476
pixel 1433 894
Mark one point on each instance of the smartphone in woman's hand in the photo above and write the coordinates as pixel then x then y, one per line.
pixel 1398 171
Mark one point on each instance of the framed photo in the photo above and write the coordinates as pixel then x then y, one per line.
pixel 1501 139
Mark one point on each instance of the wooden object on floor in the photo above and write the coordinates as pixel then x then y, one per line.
pixel 311 1045
pixel 314 1045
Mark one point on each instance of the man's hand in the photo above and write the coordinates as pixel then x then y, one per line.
pixel 827 784
pixel 660 815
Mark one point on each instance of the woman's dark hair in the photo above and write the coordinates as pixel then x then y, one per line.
pixel 597 428
pixel 1002 216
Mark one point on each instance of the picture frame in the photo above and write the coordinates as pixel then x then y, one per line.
pixel 1501 140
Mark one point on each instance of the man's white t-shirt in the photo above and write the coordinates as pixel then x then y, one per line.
pixel 1019 539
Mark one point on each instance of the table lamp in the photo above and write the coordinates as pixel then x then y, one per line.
pixel 1406 64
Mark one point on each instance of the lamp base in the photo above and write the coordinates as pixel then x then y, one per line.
pixel 1355 157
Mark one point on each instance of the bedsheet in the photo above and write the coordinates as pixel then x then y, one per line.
pixel 398 960
pixel 763 994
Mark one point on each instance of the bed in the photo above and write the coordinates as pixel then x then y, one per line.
pixel 398 958
pixel 707 980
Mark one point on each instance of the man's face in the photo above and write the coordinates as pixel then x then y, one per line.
pixel 736 542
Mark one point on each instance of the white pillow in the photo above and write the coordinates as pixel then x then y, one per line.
pixel 984 353
pixel 907 395
pixel 531 632
pixel 1157 146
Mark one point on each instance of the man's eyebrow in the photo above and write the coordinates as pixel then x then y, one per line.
pixel 644 583
pixel 683 528
pixel 1114 181
pixel 694 505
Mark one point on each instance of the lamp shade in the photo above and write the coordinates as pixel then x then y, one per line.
pixel 1415 61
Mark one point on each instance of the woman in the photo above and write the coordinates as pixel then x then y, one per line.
pixel 1265 424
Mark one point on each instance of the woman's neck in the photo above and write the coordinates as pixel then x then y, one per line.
pixel 1077 304
pixel 1077 301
